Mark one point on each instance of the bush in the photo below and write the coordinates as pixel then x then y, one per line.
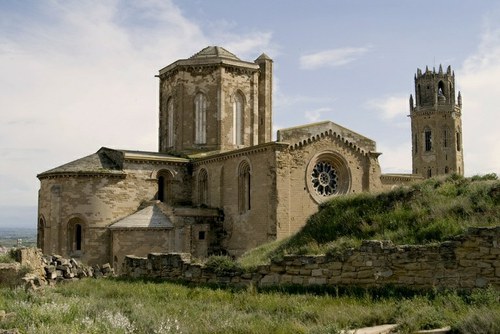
pixel 7 258
pixel 221 264
pixel 430 211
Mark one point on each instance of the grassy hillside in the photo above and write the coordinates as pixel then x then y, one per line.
pixel 119 306
pixel 426 212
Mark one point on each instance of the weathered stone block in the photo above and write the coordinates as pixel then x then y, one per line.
pixel 316 272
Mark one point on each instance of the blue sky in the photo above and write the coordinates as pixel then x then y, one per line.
pixel 79 75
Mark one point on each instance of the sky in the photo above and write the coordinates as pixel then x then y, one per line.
pixel 79 75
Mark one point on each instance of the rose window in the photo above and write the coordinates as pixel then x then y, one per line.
pixel 324 179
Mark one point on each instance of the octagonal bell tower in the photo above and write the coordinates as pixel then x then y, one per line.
pixel 436 124
pixel 214 101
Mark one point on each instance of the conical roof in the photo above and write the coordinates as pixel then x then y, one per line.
pixel 210 56
pixel 214 52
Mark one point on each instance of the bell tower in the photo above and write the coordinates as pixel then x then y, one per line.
pixel 436 124
pixel 214 101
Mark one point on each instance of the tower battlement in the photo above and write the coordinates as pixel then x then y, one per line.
pixel 436 123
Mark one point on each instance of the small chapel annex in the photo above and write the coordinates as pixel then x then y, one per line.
pixel 218 184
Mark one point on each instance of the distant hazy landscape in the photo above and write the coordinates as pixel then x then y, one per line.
pixel 9 236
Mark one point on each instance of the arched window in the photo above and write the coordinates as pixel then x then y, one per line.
pixel 238 113
pixel 428 139
pixel 244 190
pixel 200 109
pixel 170 123
pixel 429 173
pixel 445 137
pixel 446 170
pixel 459 144
pixel 441 88
pixel 76 235
pixel 40 237
pixel 165 180
pixel 203 187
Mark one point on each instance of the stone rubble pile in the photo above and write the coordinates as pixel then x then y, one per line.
pixel 55 268
pixel 58 268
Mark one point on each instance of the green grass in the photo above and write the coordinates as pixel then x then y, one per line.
pixel 7 257
pixel 426 212
pixel 118 306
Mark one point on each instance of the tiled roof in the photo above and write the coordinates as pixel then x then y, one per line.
pixel 214 52
pixel 149 217
pixel 108 161
pixel 96 163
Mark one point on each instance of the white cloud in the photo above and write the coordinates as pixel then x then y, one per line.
pixel 315 115
pixel 246 45
pixel 331 58
pixel 82 77
pixel 478 79
pixel 390 107
pixel 395 158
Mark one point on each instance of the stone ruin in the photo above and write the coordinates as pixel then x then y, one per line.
pixel 34 269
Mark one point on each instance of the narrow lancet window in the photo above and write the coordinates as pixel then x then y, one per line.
pixel 428 140
pixel 203 187
pixel 244 190
pixel 200 106
pixel 238 119
pixel 170 123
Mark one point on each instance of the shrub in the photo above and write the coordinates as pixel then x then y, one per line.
pixel 6 258
pixel 430 211
pixel 221 264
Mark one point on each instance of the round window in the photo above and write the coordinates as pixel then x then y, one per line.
pixel 327 175
pixel 324 178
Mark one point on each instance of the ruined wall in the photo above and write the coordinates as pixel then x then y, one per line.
pixel 297 196
pixel 465 262
pixel 141 241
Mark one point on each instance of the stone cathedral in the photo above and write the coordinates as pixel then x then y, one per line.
pixel 219 184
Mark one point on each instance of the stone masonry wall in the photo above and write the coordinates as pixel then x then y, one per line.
pixel 295 198
pixel 465 262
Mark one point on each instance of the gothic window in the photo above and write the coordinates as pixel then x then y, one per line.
pixel 445 137
pixel 41 233
pixel 441 88
pixel 458 141
pixel 238 119
pixel 446 170
pixel 244 191
pixel 200 106
pixel 203 187
pixel 170 123
pixel 429 172
pixel 165 180
pixel 75 236
pixel 428 140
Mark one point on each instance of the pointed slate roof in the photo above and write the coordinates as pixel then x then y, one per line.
pixel 214 52
pixel 150 217
pixel 210 56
